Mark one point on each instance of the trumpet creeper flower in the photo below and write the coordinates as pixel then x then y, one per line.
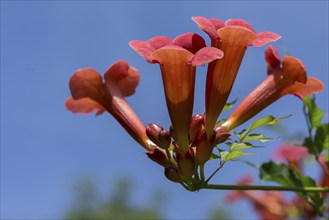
pixel 232 37
pixel 91 94
pixel 286 77
pixel 178 59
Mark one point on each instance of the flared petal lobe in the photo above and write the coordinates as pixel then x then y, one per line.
pixel 146 48
pixel 83 106
pixel 264 38
pixel 289 79
pixel 210 26
pixel 87 82
pixel 122 77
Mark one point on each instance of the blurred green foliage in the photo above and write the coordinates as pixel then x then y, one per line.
pixel 88 204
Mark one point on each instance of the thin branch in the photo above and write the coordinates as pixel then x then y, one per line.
pixel 265 188
pixel 211 176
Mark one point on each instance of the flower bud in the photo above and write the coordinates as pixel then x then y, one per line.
pixel 203 149
pixel 172 174
pixel 159 156
pixel 158 135
pixel 220 135
pixel 196 127
pixel 204 146
pixel 186 164
pixel 164 139
pixel 152 132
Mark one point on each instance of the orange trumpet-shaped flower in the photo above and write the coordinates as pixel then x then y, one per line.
pixel 288 77
pixel 232 37
pixel 91 94
pixel 178 59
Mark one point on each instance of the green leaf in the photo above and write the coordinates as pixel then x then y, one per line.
pixel 308 143
pixel 235 146
pixel 229 105
pixel 278 173
pixel 312 198
pixel 248 163
pixel 284 175
pixel 226 156
pixel 242 134
pixel 268 120
pixel 223 154
pixel 257 137
pixel 321 140
pixel 314 114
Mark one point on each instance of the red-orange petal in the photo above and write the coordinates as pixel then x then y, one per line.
pixel 146 48
pixel 272 58
pixel 210 26
pixel 235 36
pixel 301 90
pixel 206 55
pixel 293 68
pixel 239 23
pixel 122 79
pixel 159 41
pixel 177 75
pixel 83 106
pixel 143 49
pixel 190 41
pixel 86 82
pixel 264 38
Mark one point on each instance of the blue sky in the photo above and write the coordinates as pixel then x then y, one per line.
pixel 45 148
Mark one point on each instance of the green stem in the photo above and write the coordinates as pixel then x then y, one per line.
pixel 265 188
pixel 184 185
pixel 308 123
pixel 202 173
pixel 213 174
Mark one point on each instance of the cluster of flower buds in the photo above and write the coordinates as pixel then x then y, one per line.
pixel 180 165
pixel 190 140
